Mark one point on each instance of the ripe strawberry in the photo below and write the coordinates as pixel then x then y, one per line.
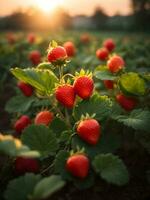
pixel 115 63
pixel 78 165
pixel 102 54
pixel 26 89
pixel 128 103
pixel 11 38
pixel 85 38
pixel 84 86
pixel 89 130
pixel 23 165
pixel 109 84
pixel 22 123
pixel 56 54
pixel 109 44
pixel 44 117
pixel 35 57
pixel 70 48
pixel 31 38
pixel 65 95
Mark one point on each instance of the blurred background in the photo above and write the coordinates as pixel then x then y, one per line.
pixel 124 15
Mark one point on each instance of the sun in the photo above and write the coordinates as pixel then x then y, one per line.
pixel 48 5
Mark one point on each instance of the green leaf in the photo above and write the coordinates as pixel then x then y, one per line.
pixel 58 126
pixel 47 186
pixel 132 84
pixel 13 147
pixel 138 119
pixel 144 140
pixel 99 105
pixel 21 188
pixel 60 164
pixel 104 75
pixel 42 79
pixel 111 169
pixel 40 138
pixel 108 143
pixel 19 104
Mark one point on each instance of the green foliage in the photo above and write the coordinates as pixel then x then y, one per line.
pixel 19 104
pixel 22 187
pixel 138 119
pixel 13 147
pixel 40 138
pixel 47 186
pixel 42 79
pixel 111 169
pixel 108 143
pixel 132 84
pixel 102 73
pixel 99 105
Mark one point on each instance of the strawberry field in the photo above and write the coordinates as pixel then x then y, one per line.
pixel 74 116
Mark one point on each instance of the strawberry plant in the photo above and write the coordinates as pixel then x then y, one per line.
pixel 69 127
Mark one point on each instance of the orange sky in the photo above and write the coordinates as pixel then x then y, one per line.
pixel 72 6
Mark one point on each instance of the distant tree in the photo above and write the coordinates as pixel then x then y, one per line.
pixel 141 10
pixel 99 18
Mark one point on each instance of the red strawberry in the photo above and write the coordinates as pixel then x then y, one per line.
pixel 26 89
pixel 44 117
pixel 109 84
pixel 70 48
pixel 65 95
pixel 78 165
pixel 84 86
pixel 85 38
pixel 128 103
pixel 109 44
pixel 115 63
pixel 102 54
pixel 57 53
pixel 11 38
pixel 23 165
pixel 35 57
pixel 31 38
pixel 22 123
pixel 89 130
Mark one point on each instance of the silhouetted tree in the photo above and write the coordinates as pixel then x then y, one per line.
pixel 141 9
pixel 99 18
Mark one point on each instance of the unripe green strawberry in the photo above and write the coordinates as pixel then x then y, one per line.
pixel 89 130
pixel 65 95
pixel 78 165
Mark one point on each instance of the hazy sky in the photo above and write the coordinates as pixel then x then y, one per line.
pixel 73 6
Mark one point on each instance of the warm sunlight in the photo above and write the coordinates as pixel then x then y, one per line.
pixel 48 5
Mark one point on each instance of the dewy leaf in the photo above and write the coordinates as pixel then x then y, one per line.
pixel 42 79
pixel 138 119
pixel 40 138
pixel 111 169
pixel 13 147
pixel 19 104
pixel 21 188
pixel 132 83
pixel 104 74
pixel 99 105
pixel 47 186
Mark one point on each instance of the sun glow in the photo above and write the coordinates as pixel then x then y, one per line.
pixel 48 5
